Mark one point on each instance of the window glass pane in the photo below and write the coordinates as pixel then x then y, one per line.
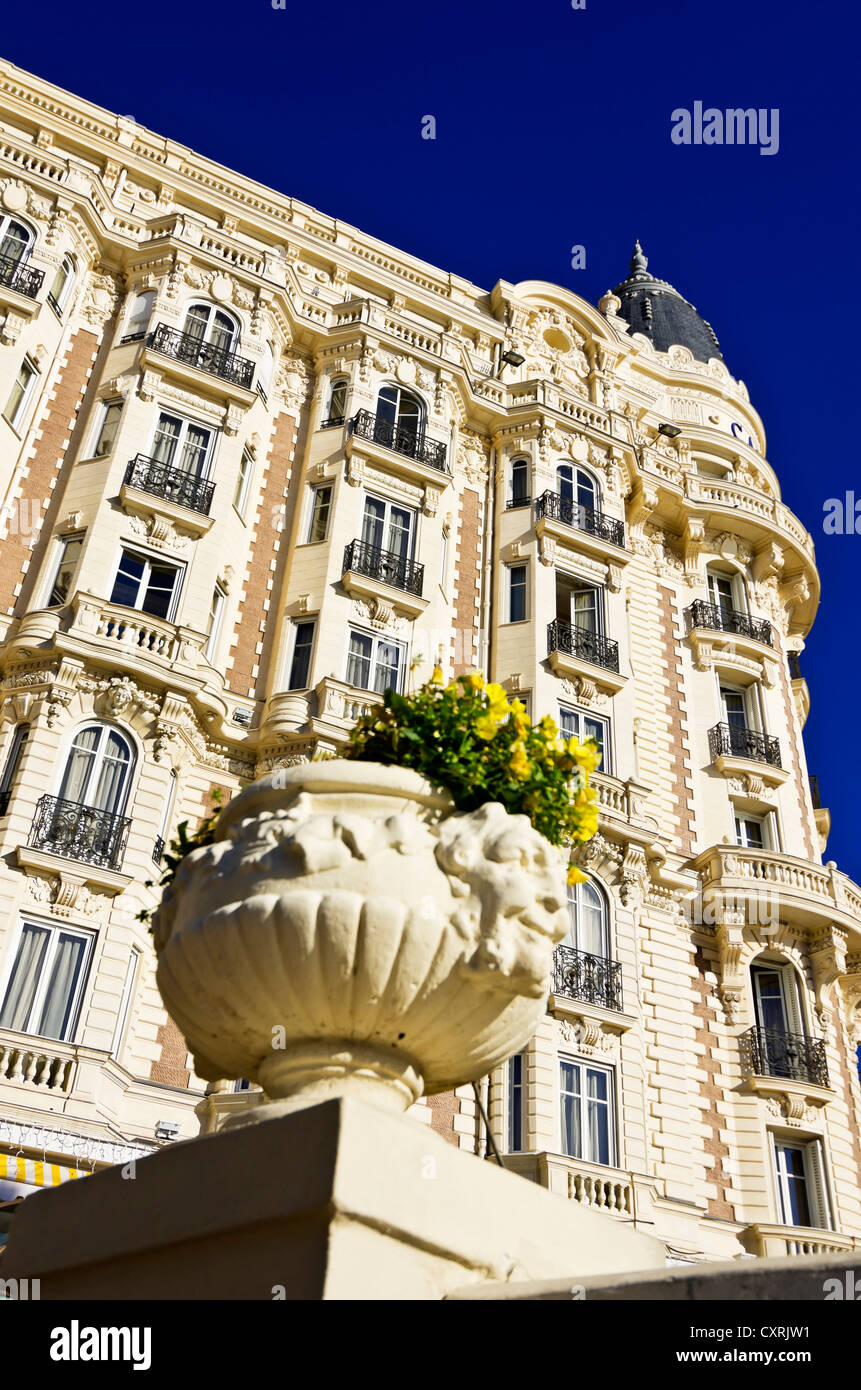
pixel 166 438
pixel 108 429
pixel 594 728
pixel 387 672
pixel 14 242
pixel 519 480
pixel 21 990
pixel 585 490
pixel 570 1102
pixel 771 1008
pixel 515 1103
pixel 80 764
pixel 56 1015
pixel 320 514
pixel 193 456
pixel 242 481
pixel 373 522
pixel 387 404
pixel 338 401
pixel 565 482
pixel 569 723
pixel 584 609
pixel 301 664
pixel 359 660
pixel 65 571
pixel 400 532
pixel 196 320
pixel 597 1116
pixel 109 792
pixel 792 1182
pixel 19 740
pixel 159 590
pixel 734 706
pixel 128 581
pixel 517 593
pixel 19 394
pixel 61 280
pixel 223 331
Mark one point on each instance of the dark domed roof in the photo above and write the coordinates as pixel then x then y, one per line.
pixel 654 308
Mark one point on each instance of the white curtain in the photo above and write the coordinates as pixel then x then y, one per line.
pixel 25 978
pixel 68 963
pixel 80 763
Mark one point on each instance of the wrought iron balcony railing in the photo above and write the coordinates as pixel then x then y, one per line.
pixel 220 362
pixel 815 798
pixel 517 500
pixel 79 832
pixel 158 850
pixel 772 1052
pixel 410 443
pixel 20 277
pixel 385 566
pixel 332 422
pixel 173 484
pixel 558 508
pixel 726 740
pixel 719 619
pixel 583 643
pixel 594 979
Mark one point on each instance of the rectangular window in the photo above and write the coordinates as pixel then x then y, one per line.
pixel 374 663
pixel 106 427
pixel 300 666
pixel 802 1195
pixel 67 563
pixel 516 593
pixel 243 482
pixel 10 771
pixel 321 505
pixel 389 526
pixel 443 559
pixel 576 723
pixel 516 1081
pixel 182 444
pixel 148 585
pixel 751 832
pixel 586 1097
pixel 125 1001
pixel 216 613
pixel 21 394
pixel 46 983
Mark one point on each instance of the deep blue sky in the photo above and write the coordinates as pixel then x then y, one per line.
pixel 553 129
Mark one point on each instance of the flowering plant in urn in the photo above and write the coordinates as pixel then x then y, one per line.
pixel 381 923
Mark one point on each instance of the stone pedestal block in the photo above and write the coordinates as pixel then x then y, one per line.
pixel 336 1201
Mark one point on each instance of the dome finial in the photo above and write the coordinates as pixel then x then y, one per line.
pixel 638 260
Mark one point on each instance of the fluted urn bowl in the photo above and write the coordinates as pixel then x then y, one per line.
pixel 349 931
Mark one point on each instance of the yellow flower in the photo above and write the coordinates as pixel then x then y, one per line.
pixel 575 875
pixel 486 726
pixel 498 701
pixel 475 679
pixel 519 718
pixel 519 763
pixel 548 727
pixel 436 678
pixel 586 755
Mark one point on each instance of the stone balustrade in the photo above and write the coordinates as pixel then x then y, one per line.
pixel 48 1065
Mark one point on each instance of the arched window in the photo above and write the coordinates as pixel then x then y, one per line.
pixel 139 314
pixel 98 769
pixel 400 410
pixel 587 918
pixel 337 411
pixel 519 483
pixel 16 241
pixel 214 327
pixel 64 279
pixel 577 488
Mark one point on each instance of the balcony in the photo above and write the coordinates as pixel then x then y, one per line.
pixel 401 440
pixel 554 507
pixel 730 741
pixel 770 1052
pixel 75 831
pixel 42 1063
pixel 578 653
pixel 715 618
pixel 372 573
pixel 20 278
pixel 173 485
pixel 188 350
pixel 591 979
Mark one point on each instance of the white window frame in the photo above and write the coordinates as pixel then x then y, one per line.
pixel 815 1181
pixel 139 317
pixel 124 1011
pixel 576 470
pixel 767 824
pixel 213 309
pixel 509 588
pixel 18 421
pixel 337 382
pixel 572 938
pixel 243 483
pixel 12 760
pixel 581 715
pixel 150 558
pixel 376 639
pixel 59 302
pixel 216 618
pixel 61 544
pixel 102 411
pixel 291 654
pixel 389 503
pixel 443 559
pixel 515 463
pixel 515 1101
pixel 56 929
pixel 738 589
pixel 753 709
pixel 186 422
pixel 5 219
pixel 106 727
pixel 311 509
pixel 574 585
pixel 790 989
pixel 586 1064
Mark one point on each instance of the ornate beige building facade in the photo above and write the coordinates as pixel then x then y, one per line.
pixel 255 467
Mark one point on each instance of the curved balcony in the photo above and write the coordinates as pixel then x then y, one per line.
pixel 771 1052
pixel 75 831
pixel 174 485
pixel 714 617
pixel 813 895
pixel 592 979
pixel 189 351
pixel 555 507
pixel 727 740
pixel 413 444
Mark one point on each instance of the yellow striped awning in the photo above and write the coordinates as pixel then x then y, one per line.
pixel 16 1168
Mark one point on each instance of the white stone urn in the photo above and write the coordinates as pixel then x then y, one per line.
pixel 349 932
